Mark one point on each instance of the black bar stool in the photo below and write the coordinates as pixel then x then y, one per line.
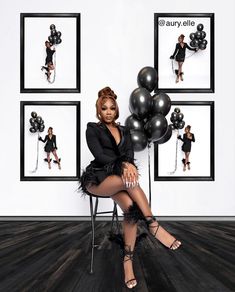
pixel 94 212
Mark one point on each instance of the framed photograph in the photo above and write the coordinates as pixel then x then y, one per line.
pixel 189 153
pixel 49 140
pixel 184 52
pixel 50 53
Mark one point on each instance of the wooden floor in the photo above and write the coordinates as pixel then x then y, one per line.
pixel 55 256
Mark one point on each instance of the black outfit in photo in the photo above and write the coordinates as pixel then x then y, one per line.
pixel 179 53
pixel 50 53
pixel 50 143
pixel 107 153
pixel 186 147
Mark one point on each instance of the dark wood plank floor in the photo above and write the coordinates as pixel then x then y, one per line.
pixel 55 256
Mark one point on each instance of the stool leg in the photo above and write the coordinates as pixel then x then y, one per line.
pixel 92 235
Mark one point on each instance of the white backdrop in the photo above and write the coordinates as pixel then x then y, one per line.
pixel 37 29
pixel 196 67
pixel 199 119
pixel 63 121
pixel 117 40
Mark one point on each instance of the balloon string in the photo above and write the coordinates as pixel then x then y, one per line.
pixel 36 167
pixel 150 196
pixel 176 153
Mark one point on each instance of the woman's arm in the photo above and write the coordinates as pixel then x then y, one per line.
pixel 189 48
pixel 95 146
pixel 43 140
pixel 55 141
pixel 193 138
pixel 176 49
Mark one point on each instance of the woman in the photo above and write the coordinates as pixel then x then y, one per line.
pixel 113 173
pixel 187 139
pixel 49 59
pixel 50 146
pixel 179 55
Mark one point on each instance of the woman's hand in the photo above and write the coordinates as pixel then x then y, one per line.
pixel 130 175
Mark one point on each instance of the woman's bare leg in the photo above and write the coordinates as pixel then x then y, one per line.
pixel 114 184
pixel 49 160
pixel 129 231
pixel 57 159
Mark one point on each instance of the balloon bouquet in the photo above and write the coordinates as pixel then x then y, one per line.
pixel 147 123
pixel 37 125
pixel 198 38
pixel 54 39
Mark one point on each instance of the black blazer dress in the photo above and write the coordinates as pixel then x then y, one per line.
pixel 186 147
pixel 108 155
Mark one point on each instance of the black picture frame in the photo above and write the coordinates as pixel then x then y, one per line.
pixel 211 176
pixel 77 78
pixel 157 23
pixel 76 160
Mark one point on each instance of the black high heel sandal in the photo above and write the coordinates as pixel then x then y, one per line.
pixel 165 242
pixel 127 252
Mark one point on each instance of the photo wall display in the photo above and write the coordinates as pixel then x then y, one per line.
pixel 184 52
pixel 49 140
pixel 50 53
pixel 189 154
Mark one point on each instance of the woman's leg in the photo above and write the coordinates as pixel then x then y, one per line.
pixel 56 157
pixel 114 184
pixel 129 231
pixel 49 160
pixel 187 160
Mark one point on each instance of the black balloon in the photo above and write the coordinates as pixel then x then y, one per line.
pixel 204 42
pixel 172 126
pixel 192 36
pixel 140 102
pixel 161 103
pixel 202 46
pixel 33 114
pixel 31 120
pixel 139 140
pixel 58 34
pixel 200 27
pixel 39 119
pixel 134 124
pixel 180 117
pixel 156 127
pixel 53 32
pixel 35 125
pixel 50 39
pixel 166 136
pixel 147 78
pixel 203 35
pixel 58 41
pixel 174 116
pixel 54 39
pixel 194 43
pixel 177 110
pixel 176 124
pixel 181 124
pixel 32 130
pixel 198 34
pixel 52 26
pixel 41 128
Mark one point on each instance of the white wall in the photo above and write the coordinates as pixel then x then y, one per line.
pixel 117 40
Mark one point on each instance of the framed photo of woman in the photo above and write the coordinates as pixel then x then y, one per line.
pixel 50 53
pixel 49 140
pixel 189 154
pixel 184 52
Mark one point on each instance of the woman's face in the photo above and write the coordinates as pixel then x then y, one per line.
pixel 49 131
pixel 186 130
pixel 180 39
pixel 108 111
